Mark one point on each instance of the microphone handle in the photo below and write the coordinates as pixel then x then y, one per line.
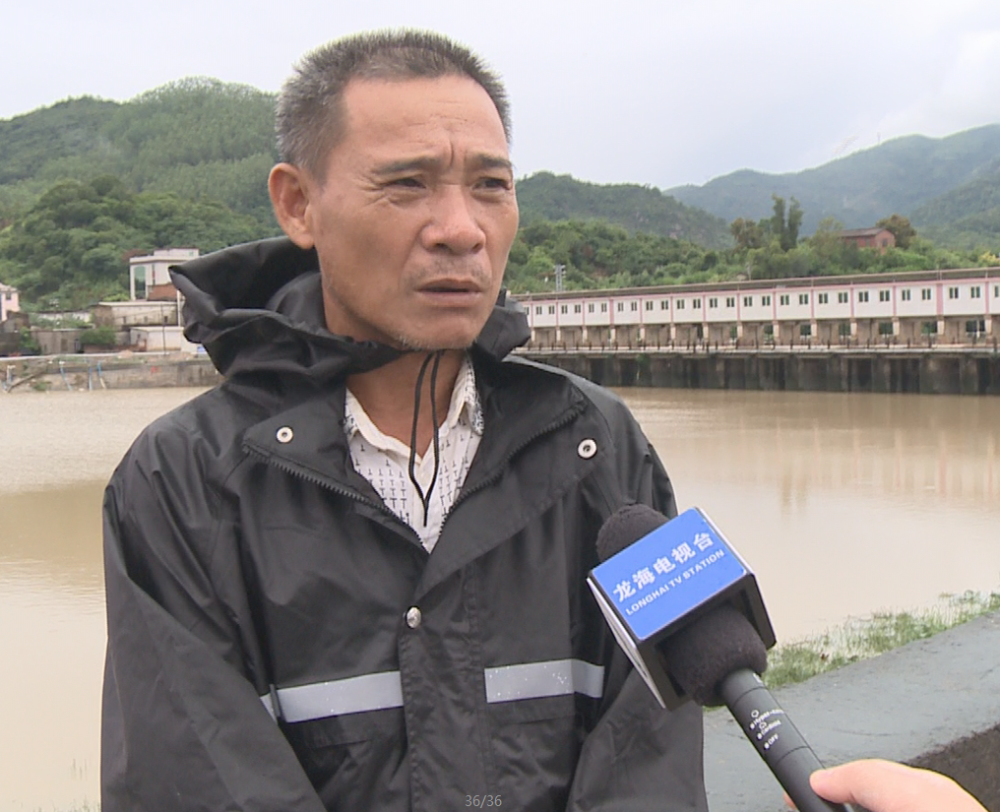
pixel 778 741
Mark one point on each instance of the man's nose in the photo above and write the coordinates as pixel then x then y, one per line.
pixel 454 226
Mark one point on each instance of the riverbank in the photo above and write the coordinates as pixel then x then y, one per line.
pixel 934 703
pixel 107 371
pixel 941 371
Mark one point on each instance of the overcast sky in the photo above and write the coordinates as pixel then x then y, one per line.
pixel 659 92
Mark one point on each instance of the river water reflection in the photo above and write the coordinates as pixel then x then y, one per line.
pixel 842 504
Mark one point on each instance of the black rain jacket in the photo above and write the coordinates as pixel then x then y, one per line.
pixel 279 641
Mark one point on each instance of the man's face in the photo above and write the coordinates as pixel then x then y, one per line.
pixel 415 214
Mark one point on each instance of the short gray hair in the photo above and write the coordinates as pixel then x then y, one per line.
pixel 310 116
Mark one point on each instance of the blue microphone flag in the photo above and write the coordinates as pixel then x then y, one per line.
pixel 667 579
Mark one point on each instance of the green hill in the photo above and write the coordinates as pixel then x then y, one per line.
pixel 198 138
pixel 544 196
pixel 902 176
pixel 966 217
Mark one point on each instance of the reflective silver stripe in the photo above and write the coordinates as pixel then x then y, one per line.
pixel 550 678
pixel 354 695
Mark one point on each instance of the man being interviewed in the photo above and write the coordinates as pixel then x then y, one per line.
pixel 352 576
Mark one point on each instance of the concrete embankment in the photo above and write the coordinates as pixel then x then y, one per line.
pixel 933 703
pixel 89 372
pixel 955 371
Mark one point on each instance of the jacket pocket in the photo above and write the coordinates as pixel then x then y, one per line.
pixel 536 744
pixel 353 758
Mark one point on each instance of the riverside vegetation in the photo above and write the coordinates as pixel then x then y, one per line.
pixel 862 638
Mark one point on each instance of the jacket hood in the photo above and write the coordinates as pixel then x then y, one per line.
pixel 258 307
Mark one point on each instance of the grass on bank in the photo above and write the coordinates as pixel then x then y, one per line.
pixel 861 638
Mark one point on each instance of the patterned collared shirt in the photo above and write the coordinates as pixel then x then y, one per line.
pixel 384 461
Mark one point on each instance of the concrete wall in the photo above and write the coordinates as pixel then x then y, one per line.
pixel 114 373
pixel 913 371
pixel 933 703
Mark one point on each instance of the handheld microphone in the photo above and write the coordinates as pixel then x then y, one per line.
pixel 686 609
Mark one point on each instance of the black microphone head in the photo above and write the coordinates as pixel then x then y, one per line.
pixel 702 654
pixel 625 527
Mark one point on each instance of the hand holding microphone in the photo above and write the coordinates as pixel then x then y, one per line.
pixel 885 786
pixel 687 611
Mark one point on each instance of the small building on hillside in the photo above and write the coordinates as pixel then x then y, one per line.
pixel 149 276
pixel 140 313
pixel 875 237
pixel 8 301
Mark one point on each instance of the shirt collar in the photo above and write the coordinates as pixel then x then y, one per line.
pixel 465 408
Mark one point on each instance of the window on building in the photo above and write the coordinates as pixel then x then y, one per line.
pixel 730 301
pixel 621 307
pixel 823 298
pixel 538 310
pixel 862 295
pixel 633 306
pixel 996 292
pixel 952 293
pixel 649 304
pixel 552 310
pixel 664 304
pixel 748 301
pixel 680 304
pixel 883 296
pixel 604 307
pixel 696 303
pixel 769 329
pixel 976 327
pixel 905 295
pixel 765 300
pixel 844 329
pixel 925 294
pixel 784 299
pixel 928 328
pixel 590 307
pixel 803 298
pixel 713 302
pixel 805 330
pixel 976 292
pixel 885 328
pixel 564 309
pixel 842 297
pixel 577 308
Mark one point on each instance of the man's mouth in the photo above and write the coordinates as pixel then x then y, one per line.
pixel 450 287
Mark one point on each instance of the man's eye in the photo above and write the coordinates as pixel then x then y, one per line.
pixel 495 183
pixel 407 183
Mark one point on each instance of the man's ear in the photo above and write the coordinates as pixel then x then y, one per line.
pixel 290 189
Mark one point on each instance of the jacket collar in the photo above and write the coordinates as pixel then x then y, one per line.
pixel 258 308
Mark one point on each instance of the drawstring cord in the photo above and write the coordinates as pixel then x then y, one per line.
pixel 425 498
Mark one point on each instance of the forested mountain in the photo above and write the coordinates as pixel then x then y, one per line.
pixel 966 217
pixel 914 176
pixel 197 138
pixel 86 183
pixel 544 196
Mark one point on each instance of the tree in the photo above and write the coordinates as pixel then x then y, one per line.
pixel 786 228
pixel 900 228
pixel 790 235
pixel 746 233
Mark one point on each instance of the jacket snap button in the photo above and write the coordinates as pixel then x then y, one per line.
pixel 284 434
pixel 587 448
pixel 413 617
